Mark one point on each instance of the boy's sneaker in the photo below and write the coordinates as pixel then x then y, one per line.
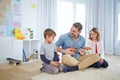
pixel 41 69
pixel 65 69
pixel 61 68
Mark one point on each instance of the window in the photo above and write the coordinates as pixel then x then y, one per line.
pixel 65 16
pixel 70 11
pixel 80 16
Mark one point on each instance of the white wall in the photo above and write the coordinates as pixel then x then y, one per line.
pixel 5 48
pixel 29 15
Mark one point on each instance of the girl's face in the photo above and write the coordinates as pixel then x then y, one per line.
pixel 49 39
pixel 93 35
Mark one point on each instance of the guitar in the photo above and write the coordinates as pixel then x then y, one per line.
pixel 73 49
pixel 77 50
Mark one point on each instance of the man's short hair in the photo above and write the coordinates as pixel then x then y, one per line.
pixel 78 26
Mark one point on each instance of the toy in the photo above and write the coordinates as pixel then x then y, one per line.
pixel 18 34
pixel 34 55
pixel 13 61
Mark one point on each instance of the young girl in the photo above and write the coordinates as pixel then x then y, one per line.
pixel 96 45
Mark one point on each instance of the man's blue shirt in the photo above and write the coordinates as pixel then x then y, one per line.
pixel 65 41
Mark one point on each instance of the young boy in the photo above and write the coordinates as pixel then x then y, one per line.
pixel 48 54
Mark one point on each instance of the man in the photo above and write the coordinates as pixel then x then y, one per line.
pixel 72 46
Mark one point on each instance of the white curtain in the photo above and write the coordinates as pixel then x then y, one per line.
pixel 47 14
pixel 117 48
pixel 103 14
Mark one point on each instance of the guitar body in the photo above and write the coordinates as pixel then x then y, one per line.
pixel 72 49
pixel 86 49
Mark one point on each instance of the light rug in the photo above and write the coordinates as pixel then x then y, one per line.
pixel 88 74
pixel 110 73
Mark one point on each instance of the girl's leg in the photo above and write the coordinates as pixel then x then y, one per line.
pixel 96 65
pixel 105 64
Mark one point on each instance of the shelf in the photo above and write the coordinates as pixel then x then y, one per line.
pixel 31 40
pixel 28 45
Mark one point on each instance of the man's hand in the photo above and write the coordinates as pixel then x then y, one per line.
pixel 70 51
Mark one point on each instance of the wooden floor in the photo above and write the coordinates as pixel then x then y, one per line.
pixel 19 72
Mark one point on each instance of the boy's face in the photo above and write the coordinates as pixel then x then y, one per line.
pixel 50 38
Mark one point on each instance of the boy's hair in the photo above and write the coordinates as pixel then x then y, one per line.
pixel 95 30
pixel 78 26
pixel 49 32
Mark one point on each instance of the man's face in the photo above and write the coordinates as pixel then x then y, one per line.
pixel 74 32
